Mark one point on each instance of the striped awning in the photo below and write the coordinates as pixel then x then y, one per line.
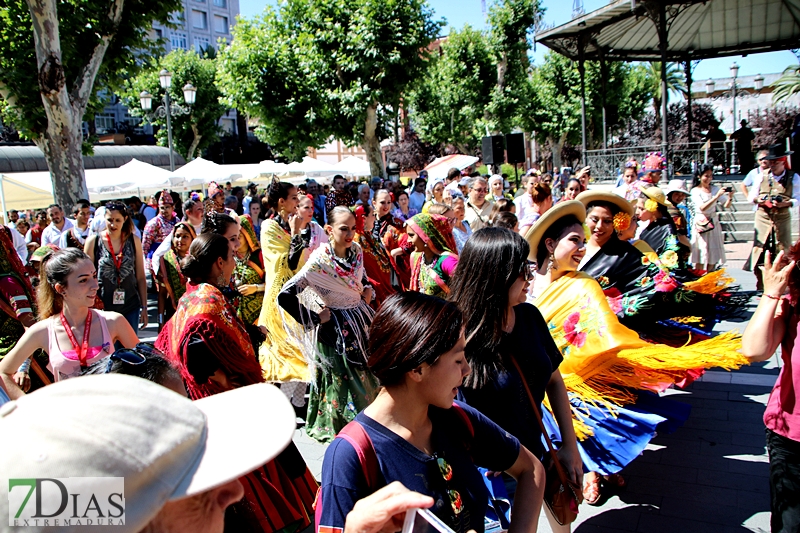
pixel 438 167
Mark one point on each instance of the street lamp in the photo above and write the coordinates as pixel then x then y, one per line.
pixel 168 108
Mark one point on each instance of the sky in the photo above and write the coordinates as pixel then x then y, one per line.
pixel 460 12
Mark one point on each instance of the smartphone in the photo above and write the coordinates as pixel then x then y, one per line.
pixel 424 521
pixel 729 189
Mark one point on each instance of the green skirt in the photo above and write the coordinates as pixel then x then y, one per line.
pixel 338 394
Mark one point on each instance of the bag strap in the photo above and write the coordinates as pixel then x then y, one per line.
pixel 357 436
pixel 464 418
pixel 560 469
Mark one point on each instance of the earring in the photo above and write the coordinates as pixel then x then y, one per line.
pixel 551 262
pixel 221 281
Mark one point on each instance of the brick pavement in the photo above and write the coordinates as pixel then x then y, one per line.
pixel 710 475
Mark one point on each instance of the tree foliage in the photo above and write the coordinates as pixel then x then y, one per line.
pixel 413 154
pixel 191 133
pixel 787 85
pixel 772 125
pixel 57 57
pixel 316 69
pixel 646 131
pixel 676 82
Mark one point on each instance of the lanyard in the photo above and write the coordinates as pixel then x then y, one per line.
pixel 81 350
pixel 117 259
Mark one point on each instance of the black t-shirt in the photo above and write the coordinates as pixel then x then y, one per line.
pixel 504 399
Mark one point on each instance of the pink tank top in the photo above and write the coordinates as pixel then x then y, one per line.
pixel 65 364
pixel 782 414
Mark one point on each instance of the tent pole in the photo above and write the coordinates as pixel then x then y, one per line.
pixel 662 42
pixel 3 200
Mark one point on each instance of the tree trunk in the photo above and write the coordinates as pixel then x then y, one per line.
pixel 372 146
pixel 63 138
pixel 195 142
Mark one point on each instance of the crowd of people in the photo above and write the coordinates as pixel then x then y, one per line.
pixel 436 337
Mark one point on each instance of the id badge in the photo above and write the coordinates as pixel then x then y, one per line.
pixel 119 297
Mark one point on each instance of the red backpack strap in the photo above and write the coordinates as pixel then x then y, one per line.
pixel 464 417
pixel 357 436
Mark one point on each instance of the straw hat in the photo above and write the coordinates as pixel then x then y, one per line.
pixel 656 194
pixel 561 209
pixel 676 186
pixel 587 197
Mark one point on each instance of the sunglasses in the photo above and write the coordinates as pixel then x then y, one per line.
pixel 456 503
pixel 481 190
pixel 133 356
pixel 528 270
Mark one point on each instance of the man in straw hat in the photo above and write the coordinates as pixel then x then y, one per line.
pixel 126 455
pixel 774 193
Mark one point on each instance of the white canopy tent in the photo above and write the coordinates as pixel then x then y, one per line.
pixel 199 172
pixel 439 167
pixel 311 167
pixel 353 166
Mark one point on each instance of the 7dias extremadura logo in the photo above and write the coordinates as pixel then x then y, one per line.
pixel 85 501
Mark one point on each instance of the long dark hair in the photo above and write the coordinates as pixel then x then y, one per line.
pixel 277 190
pixel 217 223
pixel 410 329
pixel 700 171
pixel 203 253
pixel 127 227
pixel 487 267
pixel 55 269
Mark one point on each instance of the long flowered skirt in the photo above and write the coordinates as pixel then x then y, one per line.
pixel 339 392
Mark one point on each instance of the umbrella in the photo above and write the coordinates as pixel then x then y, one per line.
pixel 353 166
pixel 438 167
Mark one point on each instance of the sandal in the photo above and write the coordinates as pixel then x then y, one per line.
pixel 591 490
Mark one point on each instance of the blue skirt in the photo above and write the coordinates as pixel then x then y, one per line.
pixel 622 436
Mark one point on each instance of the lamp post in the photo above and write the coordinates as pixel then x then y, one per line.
pixel 733 93
pixel 168 108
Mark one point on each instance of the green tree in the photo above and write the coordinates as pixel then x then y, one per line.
pixel 193 132
pixel 676 83
pixel 449 102
pixel 55 57
pixel 316 69
pixel 787 85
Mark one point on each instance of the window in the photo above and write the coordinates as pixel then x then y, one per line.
pixel 104 121
pixel 201 43
pixel 177 18
pixel 221 3
pixel 228 125
pixel 159 33
pixel 220 24
pixel 178 39
pixel 199 19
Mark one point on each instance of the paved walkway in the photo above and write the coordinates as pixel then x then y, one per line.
pixel 708 476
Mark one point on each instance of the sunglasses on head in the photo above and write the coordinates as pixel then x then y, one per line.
pixel 133 356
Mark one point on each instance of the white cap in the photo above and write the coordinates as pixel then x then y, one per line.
pixel 495 177
pixel 165 446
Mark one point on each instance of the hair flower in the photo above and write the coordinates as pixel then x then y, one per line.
pixel 651 205
pixel 622 221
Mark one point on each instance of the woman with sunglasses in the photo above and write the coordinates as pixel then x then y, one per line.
pixel 208 343
pixel 72 334
pixel 419 435
pixel 612 375
pixel 490 287
pixel 118 257
pixel 433 260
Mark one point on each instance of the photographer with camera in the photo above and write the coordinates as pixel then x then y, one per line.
pixel 774 191
pixel 707 245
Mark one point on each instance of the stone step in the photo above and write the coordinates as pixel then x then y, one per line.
pixel 737 226
pixel 737 216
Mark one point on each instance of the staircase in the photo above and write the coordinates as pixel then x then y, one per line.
pixel 737 221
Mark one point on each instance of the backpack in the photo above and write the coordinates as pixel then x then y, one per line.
pixel 498 512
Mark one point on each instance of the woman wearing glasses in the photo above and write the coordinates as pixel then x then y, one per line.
pixel 490 287
pixel 72 334
pixel 210 346
pixel 419 435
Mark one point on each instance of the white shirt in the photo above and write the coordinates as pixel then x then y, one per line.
pixel 19 244
pixel 755 191
pixel 62 242
pixel 52 235
pixel 416 200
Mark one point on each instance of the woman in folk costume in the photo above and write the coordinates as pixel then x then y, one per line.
pixel 283 251
pixel 434 259
pixel 328 300
pixel 249 273
pixel 613 376
pixel 208 343
pixel 377 263
pixel 313 234
pixel 656 226
pixel 171 281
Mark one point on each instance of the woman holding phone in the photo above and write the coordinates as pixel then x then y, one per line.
pixel 708 247
pixel 419 435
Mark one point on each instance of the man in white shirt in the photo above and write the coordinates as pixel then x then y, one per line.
pixel 477 208
pixel 763 166
pixel 75 237
pixel 58 225
pixel 13 216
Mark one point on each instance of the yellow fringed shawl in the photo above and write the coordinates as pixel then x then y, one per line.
pixel 603 359
pixel 280 356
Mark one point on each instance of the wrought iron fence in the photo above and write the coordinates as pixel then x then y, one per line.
pixel 683 160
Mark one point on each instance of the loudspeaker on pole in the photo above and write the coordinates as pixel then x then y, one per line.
pixel 515 148
pixel 493 150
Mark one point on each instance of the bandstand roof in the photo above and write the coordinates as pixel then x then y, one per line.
pixel 625 30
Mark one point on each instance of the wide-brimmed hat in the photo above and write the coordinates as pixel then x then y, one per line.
pixel 676 186
pixel 165 446
pixel 778 151
pixel 587 197
pixel 656 194
pixel 561 209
